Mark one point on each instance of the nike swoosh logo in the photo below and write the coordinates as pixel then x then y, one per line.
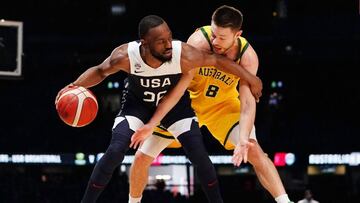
pixel 141 71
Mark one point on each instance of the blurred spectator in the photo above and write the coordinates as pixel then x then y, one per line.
pixel 159 194
pixel 308 198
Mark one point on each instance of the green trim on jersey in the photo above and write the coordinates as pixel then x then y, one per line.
pixel 163 136
pixel 228 133
pixel 206 35
pixel 243 50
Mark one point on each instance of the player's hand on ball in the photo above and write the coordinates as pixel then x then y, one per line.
pixel 62 90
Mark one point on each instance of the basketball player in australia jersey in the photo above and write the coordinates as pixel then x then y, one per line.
pixel 159 71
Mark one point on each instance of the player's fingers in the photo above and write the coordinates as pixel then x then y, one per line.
pixel 237 158
pixel 134 140
pixel 131 144
pixel 233 159
pixel 245 157
pixel 134 136
pixel 238 161
pixel 136 143
pixel 139 143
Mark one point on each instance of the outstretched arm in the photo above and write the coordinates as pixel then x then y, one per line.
pixel 248 108
pixel 165 105
pixel 193 58
pixel 118 60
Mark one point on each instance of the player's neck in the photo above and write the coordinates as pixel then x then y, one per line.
pixel 149 59
pixel 232 52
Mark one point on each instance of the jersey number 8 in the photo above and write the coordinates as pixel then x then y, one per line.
pixel 212 91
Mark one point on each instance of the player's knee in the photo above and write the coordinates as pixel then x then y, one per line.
pixel 142 159
pixel 116 151
pixel 255 153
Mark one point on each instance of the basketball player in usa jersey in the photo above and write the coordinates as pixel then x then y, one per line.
pixel 216 98
pixel 159 71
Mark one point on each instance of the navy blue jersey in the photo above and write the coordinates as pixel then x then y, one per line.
pixel 145 86
pixel 149 84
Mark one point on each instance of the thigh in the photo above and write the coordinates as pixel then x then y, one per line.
pixel 221 119
pixel 221 129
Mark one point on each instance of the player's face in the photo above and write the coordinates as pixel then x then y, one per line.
pixel 308 195
pixel 222 39
pixel 159 41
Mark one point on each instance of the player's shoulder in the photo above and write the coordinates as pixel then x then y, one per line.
pixel 121 50
pixel 198 40
pixel 120 55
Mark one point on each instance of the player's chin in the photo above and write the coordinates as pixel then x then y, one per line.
pixel 167 54
pixel 167 57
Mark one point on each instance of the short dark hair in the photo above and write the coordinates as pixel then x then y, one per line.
pixel 227 16
pixel 147 23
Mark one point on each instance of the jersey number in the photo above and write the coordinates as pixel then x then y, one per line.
pixel 152 97
pixel 212 91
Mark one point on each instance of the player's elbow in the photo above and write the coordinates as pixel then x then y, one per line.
pixel 100 72
pixel 210 59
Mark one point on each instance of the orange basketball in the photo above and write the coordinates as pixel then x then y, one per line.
pixel 77 106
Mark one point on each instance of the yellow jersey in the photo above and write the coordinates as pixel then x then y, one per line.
pixel 215 97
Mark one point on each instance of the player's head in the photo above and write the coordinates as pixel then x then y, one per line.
pixel 308 195
pixel 226 25
pixel 156 36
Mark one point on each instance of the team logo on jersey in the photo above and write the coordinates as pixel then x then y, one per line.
pixel 216 74
pixel 137 68
pixel 155 82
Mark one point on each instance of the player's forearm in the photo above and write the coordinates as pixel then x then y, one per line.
pixel 245 126
pixel 165 105
pixel 247 119
pixel 171 98
pixel 229 66
pixel 90 77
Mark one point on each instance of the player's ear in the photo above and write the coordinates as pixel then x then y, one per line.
pixel 238 33
pixel 143 42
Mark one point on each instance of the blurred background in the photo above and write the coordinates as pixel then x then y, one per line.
pixel 307 119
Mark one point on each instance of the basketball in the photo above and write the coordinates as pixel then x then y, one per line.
pixel 77 106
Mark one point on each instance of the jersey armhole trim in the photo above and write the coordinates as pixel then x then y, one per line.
pixel 243 50
pixel 228 133
pixel 207 37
